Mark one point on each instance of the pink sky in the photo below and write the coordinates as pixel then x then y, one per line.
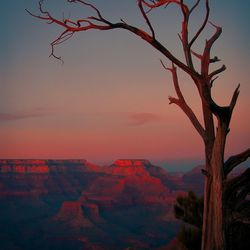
pixel 109 99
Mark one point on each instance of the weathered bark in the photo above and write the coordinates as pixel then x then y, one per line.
pixel 219 242
pixel 213 231
pixel 207 231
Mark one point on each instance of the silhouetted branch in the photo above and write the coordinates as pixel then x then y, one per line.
pixel 207 49
pixel 180 101
pixel 217 71
pixel 213 80
pixel 160 3
pixel 199 56
pixel 146 18
pixel 234 98
pixel 235 160
pixel 98 22
pixel 195 6
pixel 184 34
pixel 203 24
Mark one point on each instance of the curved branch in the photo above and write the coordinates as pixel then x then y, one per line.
pixel 234 98
pixel 180 101
pixel 195 6
pixel 160 3
pixel 235 160
pixel 100 23
pixel 91 6
pixel 207 49
pixel 146 18
pixel 217 71
pixel 184 35
pixel 203 24
pixel 62 38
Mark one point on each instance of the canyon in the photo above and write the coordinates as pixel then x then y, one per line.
pixel 74 204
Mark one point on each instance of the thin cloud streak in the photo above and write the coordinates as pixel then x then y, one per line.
pixel 139 119
pixel 4 116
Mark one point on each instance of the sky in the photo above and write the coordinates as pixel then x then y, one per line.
pixel 109 99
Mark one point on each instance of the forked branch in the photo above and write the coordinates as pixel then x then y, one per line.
pixel 203 24
pixel 234 98
pixel 235 160
pixel 206 53
pixel 181 102
pixel 98 22
pixel 146 18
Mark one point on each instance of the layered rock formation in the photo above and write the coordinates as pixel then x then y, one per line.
pixel 45 166
pixel 78 205
pixel 40 177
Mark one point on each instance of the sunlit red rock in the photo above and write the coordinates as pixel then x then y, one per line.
pixel 46 166
pixel 78 203
pixel 39 177
pixel 127 167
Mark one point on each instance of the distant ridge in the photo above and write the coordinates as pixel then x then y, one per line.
pixel 45 166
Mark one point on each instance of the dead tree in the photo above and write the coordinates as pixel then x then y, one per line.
pixel 213 135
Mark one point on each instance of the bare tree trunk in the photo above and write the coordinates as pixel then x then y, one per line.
pixel 207 214
pixel 213 220
pixel 207 231
pixel 214 214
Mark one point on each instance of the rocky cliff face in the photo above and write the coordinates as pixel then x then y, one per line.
pixel 23 166
pixel 45 166
pixel 78 205
pixel 40 177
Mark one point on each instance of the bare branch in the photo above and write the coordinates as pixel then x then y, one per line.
pixel 217 71
pixel 213 80
pixel 195 6
pixel 160 3
pixel 184 9
pixel 199 56
pixel 174 100
pixel 100 23
pixel 180 101
pixel 184 34
pixel 235 160
pixel 91 6
pixel 207 49
pixel 173 70
pixel 146 18
pixel 203 24
pixel 234 98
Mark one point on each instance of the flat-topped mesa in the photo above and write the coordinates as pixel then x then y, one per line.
pixel 127 167
pixel 131 162
pixel 23 166
pixel 71 165
pixel 33 166
pixel 22 162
